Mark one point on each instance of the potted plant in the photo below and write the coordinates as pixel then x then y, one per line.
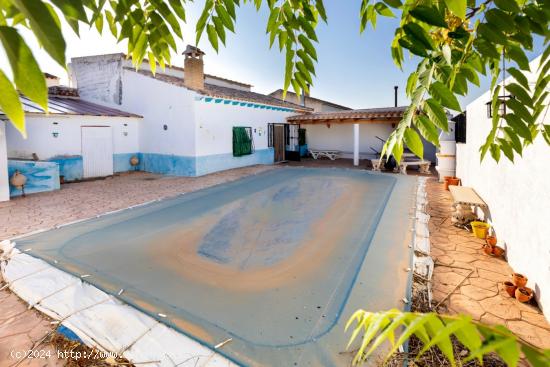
pixel 491 240
pixel 524 294
pixel 498 251
pixel 450 180
pixel 510 288
pixel 488 249
pixel 519 280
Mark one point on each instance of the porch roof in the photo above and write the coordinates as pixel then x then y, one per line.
pixel 369 115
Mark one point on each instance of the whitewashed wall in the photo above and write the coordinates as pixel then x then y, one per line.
pixel 518 195
pixel 4 180
pixel 215 122
pixel 98 78
pixel 40 129
pixel 160 104
pixel 340 137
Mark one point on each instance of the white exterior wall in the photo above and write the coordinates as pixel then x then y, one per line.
pixel 340 137
pixel 4 179
pixel 215 122
pixel 518 196
pixel 160 104
pixel 41 141
pixel 98 78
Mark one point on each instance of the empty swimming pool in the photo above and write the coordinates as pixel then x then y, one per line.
pixel 276 261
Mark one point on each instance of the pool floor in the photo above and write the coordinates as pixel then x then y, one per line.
pixel 270 260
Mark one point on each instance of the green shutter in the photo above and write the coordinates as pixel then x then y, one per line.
pixel 242 143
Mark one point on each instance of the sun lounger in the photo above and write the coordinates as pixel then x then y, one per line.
pixel 330 154
pixel 423 166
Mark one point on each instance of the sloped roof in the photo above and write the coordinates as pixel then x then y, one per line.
pixel 379 114
pixel 225 92
pixel 327 103
pixel 62 105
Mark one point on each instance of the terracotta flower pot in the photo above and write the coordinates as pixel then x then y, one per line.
pixel 510 288
pixel 519 280
pixel 498 251
pixel 488 249
pixel 491 240
pixel 524 294
pixel 455 181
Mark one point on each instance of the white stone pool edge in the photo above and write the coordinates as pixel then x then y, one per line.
pixel 104 322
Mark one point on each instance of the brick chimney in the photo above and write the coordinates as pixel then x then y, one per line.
pixel 193 68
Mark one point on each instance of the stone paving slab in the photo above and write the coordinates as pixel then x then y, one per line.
pixel 458 253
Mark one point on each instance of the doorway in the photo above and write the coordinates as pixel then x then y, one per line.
pixel 97 151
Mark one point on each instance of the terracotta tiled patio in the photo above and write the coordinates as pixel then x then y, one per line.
pixel 474 279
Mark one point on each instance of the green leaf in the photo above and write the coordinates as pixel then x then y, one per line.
pixel 437 114
pixel 520 77
pixel 72 9
pixel 11 105
pixel 413 142
pixel 427 129
pixel 178 8
pixel 212 36
pixel 99 24
pixel 44 27
pixel 520 110
pixel 429 15
pixel 518 55
pixel 27 75
pixel 308 46
pixel 440 92
pixel 520 93
pixel 220 30
pixel 518 126
pixel 508 5
pixel 418 35
pixel 458 7
pixel 225 17
pixel 383 10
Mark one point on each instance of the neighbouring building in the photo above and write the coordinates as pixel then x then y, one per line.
pixel 191 120
pixel 517 193
pixel 76 140
pixel 318 105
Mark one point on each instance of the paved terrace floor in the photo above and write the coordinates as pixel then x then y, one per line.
pixel 458 253
pixel 479 295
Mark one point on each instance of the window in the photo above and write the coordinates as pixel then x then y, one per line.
pixel 270 128
pixel 243 143
pixel 460 127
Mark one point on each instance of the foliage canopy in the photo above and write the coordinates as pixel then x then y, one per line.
pixel 455 41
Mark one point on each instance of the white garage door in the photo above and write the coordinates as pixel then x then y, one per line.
pixel 97 151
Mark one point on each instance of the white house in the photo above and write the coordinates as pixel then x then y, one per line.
pixel 517 193
pixel 75 140
pixel 189 118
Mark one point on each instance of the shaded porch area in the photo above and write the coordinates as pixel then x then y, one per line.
pixel 358 135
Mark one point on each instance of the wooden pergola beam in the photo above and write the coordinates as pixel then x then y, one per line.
pixel 390 120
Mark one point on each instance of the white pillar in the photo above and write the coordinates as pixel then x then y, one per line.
pixel 355 144
pixel 4 180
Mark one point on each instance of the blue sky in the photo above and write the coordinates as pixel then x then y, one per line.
pixel 354 70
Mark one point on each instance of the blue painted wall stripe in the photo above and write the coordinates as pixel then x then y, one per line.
pixel 41 176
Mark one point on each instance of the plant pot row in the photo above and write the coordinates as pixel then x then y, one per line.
pixel 491 248
pixel 517 288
